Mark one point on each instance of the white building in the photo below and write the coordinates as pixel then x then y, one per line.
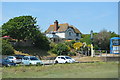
pixel 63 31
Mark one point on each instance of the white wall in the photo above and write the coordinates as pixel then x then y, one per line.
pixel 61 35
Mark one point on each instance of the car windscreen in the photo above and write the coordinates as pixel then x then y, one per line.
pixel 68 57
pixel 33 58
pixel 10 57
pixel 5 60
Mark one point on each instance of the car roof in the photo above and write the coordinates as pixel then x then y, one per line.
pixel 29 56
pixel 10 56
pixel 62 56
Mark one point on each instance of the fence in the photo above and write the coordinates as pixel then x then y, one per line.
pixel 106 56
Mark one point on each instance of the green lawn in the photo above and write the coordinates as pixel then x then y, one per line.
pixel 76 70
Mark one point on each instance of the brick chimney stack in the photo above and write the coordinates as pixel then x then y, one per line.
pixel 56 25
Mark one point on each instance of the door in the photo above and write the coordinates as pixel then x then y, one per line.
pixel 25 61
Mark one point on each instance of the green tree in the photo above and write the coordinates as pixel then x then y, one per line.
pixel 21 28
pixel 41 42
pixel 61 49
pixel 25 28
pixel 102 40
pixel 86 38
pixel 7 48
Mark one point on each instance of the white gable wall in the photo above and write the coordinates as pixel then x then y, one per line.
pixel 70 34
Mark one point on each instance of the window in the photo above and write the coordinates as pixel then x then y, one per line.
pixel 26 58
pixel 10 57
pixel 77 34
pixel 68 57
pixel 33 58
pixel 62 58
pixel 70 33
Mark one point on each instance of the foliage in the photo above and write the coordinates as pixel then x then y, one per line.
pixel 102 40
pixel 71 54
pixel 61 49
pixel 7 48
pixel 41 42
pixel 77 45
pixel 86 38
pixel 70 43
pixel 21 28
pixel 25 28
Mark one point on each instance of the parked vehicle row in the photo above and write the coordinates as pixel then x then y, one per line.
pixel 32 60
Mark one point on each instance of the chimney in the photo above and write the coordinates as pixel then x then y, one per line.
pixel 56 25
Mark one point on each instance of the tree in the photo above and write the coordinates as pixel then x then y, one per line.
pixel 61 49
pixel 21 28
pixel 77 45
pixel 7 48
pixel 25 28
pixel 40 41
pixel 86 38
pixel 102 40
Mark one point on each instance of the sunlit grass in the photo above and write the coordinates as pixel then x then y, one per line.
pixel 76 70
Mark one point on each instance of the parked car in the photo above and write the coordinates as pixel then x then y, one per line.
pixel 14 59
pixel 7 63
pixel 64 59
pixel 19 56
pixel 31 60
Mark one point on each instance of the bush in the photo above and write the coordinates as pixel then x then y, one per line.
pixel 71 54
pixel 61 49
pixel 7 48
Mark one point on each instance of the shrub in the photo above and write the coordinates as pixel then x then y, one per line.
pixel 7 48
pixel 61 49
pixel 71 54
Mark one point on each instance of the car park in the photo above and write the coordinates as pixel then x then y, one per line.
pixel 7 63
pixel 13 59
pixel 64 59
pixel 31 60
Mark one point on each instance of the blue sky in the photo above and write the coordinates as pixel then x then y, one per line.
pixel 86 16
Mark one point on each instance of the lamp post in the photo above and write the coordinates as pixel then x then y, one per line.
pixel 91 37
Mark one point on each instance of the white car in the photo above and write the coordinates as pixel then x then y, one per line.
pixel 64 59
pixel 13 59
pixel 31 60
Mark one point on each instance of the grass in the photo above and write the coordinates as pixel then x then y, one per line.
pixel 76 70
pixel 88 58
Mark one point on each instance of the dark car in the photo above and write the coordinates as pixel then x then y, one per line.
pixel 7 63
pixel 19 56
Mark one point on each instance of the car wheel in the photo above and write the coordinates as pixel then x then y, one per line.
pixel 8 65
pixel 56 62
pixel 66 62
pixel 30 64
